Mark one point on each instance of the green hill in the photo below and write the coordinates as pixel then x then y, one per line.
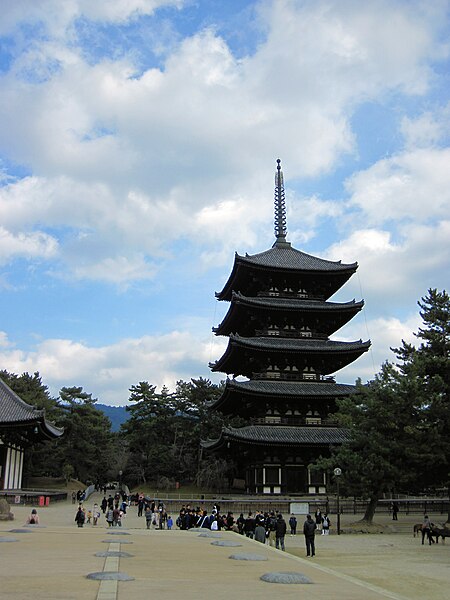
pixel 116 414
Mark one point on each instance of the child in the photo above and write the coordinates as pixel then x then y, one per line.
pixel 33 519
pixel 169 522
pixel 89 516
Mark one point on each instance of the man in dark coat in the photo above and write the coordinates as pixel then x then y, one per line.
pixel 280 532
pixel 309 530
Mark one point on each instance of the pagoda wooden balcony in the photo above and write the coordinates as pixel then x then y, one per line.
pixel 293 376
pixel 294 421
pixel 291 333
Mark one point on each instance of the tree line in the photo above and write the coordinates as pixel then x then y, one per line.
pixel 159 443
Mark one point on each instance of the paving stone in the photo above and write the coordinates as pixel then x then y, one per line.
pixel 247 556
pixel 109 576
pixel 20 531
pixel 118 533
pixel 121 542
pixel 285 577
pixel 8 539
pixel 209 535
pixel 227 543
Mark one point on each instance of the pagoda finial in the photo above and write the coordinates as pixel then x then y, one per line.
pixel 280 207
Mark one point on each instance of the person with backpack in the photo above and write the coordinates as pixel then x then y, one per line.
pixel 326 525
pixel 309 531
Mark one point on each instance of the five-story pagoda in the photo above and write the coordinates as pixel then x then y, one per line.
pixel 278 324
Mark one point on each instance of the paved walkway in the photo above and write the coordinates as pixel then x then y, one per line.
pixel 52 561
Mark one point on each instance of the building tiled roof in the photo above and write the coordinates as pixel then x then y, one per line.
pixel 13 409
pixel 286 257
pixel 14 412
pixel 280 436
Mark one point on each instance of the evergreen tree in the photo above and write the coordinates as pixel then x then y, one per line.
pixel 87 441
pixel 399 423
pixel 427 369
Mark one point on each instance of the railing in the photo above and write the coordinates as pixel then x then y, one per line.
pixel 283 504
pixel 289 376
pixel 294 421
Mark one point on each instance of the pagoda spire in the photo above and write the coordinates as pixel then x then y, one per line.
pixel 280 208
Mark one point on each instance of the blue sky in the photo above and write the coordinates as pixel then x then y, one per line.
pixel 138 146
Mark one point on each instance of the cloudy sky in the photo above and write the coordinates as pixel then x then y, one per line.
pixel 138 146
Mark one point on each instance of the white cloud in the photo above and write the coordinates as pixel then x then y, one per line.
pixel 428 129
pixel 57 16
pixel 384 333
pixel 412 185
pixel 145 160
pixel 108 371
pixel 390 272
pixel 26 245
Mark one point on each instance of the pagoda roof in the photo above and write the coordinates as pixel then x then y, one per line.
pixel 264 388
pixel 343 353
pixel 279 435
pixel 296 304
pixel 343 311
pixel 15 413
pixel 283 257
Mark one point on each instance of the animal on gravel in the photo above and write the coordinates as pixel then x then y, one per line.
pixel 417 529
pixel 437 532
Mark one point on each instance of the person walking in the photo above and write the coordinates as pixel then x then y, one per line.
pixel 80 516
pixel 426 530
pixel 280 532
pixel 395 510
pixel 318 518
pixel 271 523
pixel 326 525
pixel 293 524
pixel 309 531
pixel 95 514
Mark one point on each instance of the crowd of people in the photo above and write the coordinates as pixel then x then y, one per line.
pixel 266 527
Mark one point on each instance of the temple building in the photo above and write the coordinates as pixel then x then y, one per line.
pixel 21 425
pixel 282 363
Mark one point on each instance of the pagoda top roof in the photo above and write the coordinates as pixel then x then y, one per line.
pixel 284 256
pixel 279 435
pixel 16 412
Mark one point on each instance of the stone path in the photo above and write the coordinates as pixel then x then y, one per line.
pixel 55 559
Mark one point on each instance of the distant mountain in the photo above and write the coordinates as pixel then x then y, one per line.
pixel 116 414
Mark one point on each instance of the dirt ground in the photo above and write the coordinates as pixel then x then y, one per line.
pixel 391 565
pixel 394 561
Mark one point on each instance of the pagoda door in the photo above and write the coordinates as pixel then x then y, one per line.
pixel 296 480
